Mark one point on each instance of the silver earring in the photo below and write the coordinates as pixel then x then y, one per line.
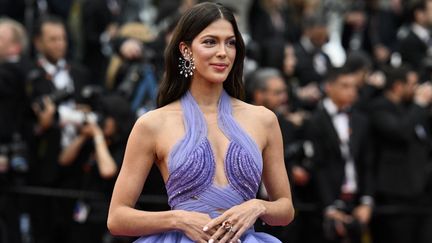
pixel 186 64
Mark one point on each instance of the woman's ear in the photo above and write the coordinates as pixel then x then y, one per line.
pixel 183 47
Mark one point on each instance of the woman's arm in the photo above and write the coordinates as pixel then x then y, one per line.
pixel 279 208
pixel 123 218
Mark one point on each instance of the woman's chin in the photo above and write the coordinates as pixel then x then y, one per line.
pixel 218 78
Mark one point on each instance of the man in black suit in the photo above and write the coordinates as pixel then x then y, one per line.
pixel 341 159
pixel 13 106
pixel 55 86
pixel 312 63
pixel 402 146
pixel 417 44
pixel 13 42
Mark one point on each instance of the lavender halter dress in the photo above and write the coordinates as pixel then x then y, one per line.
pixel 191 167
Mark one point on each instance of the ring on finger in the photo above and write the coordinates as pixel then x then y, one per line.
pixel 227 225
pixel 233 229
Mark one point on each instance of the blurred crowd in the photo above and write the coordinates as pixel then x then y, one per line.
pixel 349 80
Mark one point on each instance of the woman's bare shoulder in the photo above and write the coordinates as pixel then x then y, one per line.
pixel 257 113
pixel 157 118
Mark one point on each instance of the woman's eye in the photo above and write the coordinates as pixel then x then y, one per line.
pixel 209 42
pixel 231 42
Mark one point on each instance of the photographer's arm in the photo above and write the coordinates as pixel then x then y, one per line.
pixel 44 115
pixel 106 165
pixel 69 154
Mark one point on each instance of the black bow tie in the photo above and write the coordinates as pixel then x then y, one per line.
pixel 344 111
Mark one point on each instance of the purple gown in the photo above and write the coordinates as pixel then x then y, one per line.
pixel 191 166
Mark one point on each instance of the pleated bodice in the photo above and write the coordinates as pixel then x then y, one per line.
pixel 191 163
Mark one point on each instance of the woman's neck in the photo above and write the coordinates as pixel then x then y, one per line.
pixel 206 94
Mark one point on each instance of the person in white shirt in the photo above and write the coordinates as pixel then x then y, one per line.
pixel 342 159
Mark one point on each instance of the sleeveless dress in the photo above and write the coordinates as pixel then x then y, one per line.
pixel 191 166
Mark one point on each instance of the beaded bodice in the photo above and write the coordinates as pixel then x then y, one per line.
pixel 191 163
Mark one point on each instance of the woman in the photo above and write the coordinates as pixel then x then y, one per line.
pixel 210 147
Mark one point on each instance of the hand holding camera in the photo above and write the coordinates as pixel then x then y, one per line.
pixel 91 130
pixel 45 110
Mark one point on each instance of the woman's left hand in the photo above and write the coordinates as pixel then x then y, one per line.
pixel 235 221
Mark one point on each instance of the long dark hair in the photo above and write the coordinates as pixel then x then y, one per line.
pixel 195 20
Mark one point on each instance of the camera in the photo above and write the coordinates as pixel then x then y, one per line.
pixel 56 97
pixel 91 95
pixel 90 98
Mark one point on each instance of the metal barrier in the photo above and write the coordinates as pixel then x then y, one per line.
pixel 73 194
pixel 162 200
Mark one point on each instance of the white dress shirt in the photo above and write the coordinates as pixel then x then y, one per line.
pixel 62 81
pixel 340 122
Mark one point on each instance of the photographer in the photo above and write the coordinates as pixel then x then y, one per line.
pixel 13 100
pixel 55 85
pixel 138 65
pixel 13 108
pixel 91 163
pixel 401 124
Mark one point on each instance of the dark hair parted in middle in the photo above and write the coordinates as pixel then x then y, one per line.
pixel 195 20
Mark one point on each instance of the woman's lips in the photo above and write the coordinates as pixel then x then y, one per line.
pixel 219 66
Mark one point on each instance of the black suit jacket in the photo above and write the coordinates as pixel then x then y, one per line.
pixel 305 70
pixel 402 147
pixel 328 161
pixel 13 100
pixel 46 146
pixel 413 50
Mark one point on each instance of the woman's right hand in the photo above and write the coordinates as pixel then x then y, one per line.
pixel 192 224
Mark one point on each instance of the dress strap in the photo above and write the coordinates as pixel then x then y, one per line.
pixel 195 130
pixel 234 132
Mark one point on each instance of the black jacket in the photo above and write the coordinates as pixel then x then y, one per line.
pixel 13 100
pixel 305 70
pixel 46 146
pixel 328 160
pixel 413 50
pixel 402 147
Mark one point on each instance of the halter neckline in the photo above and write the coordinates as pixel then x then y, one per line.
pixel 191 163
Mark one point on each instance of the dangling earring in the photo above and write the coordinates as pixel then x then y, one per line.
pixel 187 64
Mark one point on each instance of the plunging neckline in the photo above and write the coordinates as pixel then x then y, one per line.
pixel 192 161
pixel 209 144
pixel 224 163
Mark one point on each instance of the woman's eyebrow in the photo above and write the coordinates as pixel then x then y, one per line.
pixel 216 37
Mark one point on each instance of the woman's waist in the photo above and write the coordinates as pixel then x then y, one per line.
pixel 214 201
